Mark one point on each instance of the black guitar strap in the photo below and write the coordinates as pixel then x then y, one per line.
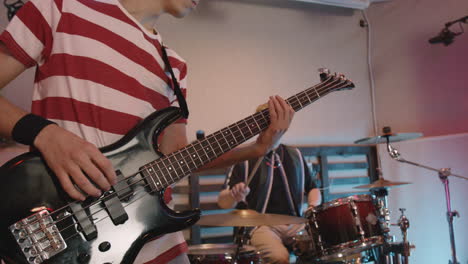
pixel 176 87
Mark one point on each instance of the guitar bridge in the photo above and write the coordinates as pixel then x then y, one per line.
pixel 38 237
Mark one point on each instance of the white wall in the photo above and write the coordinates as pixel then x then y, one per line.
pixel 423 88
pixel 420 87
pixel 425 200
pixel 240 52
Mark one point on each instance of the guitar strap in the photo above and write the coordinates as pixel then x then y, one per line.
pixel 176 87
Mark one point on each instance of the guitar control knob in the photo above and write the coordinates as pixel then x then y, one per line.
pixel 35 260
pixel 104 246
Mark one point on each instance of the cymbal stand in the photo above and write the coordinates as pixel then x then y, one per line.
pixel 241 235
pixel 404 224
pixel 443 175
pixel 384 213
pixel 241 239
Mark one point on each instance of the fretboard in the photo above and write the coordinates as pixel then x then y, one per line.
pixel 172 168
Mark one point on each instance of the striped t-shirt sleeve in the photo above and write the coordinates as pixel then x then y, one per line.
pixel 29 36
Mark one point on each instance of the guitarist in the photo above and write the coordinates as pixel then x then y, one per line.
pixel 99 71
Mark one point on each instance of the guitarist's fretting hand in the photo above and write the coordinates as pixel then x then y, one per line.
pixel 69 156
pixel 281 115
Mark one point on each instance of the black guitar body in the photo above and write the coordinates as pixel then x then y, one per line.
pixel 27 183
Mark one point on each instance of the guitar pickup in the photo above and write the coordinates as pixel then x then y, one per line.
pixel 112 202
pixel 115 209
pixel 122 188
pixel 83 219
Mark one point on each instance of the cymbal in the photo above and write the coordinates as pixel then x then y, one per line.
pixel 391 137
pixel 381 183
pixel 248 218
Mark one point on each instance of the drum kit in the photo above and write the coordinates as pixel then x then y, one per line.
pixel 348 230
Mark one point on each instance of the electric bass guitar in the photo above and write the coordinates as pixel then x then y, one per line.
pixel 41 224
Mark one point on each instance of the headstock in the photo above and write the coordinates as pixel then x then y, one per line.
pixel 336 81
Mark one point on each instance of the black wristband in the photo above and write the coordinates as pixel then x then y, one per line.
pixel 28 127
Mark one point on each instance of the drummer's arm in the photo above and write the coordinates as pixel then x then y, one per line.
pixel 229 197
pixel 225 199
pixel 314 198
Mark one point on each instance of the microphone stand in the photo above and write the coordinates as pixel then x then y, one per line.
pixel 443 175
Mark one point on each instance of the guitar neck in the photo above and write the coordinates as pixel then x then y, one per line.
pixel 170 169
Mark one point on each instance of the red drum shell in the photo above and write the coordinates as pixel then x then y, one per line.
pixel 345 226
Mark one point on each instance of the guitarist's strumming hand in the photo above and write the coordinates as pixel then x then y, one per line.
pixel 281 115
pixel 70 157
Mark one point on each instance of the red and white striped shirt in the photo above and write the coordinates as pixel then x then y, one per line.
pixel 98 73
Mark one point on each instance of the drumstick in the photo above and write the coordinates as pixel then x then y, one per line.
pixel 252 173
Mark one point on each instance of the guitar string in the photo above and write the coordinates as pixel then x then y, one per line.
pixel 296 102
pixel 105 217
pixel 243 128
pixel 144 178
pixel 186 173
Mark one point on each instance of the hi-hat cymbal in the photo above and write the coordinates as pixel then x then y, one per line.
pixel 381 183
pixel 391 138
pixel 248 218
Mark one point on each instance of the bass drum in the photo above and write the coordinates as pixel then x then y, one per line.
pixel 344 227
pixel 222 254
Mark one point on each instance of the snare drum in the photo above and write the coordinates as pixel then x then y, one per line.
pixel 222 254
pixel 344 227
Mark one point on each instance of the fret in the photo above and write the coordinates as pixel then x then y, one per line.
pixel 225 139
pixel 304 101
pixel 316 92
pixel 182 162
pixel 169 170
pixel 151 175
pixel 232 138
pixel 189 160
pixel 216 141
pixel 193 156
pixel 237 133
pixel 208 149
pixel 221 141
pixel 265 119
pixel 240 130
pixel 172 164
pixel 299 101
pixel 164 177
pixel 256 123
pixel 247 124
pixel 307 94
pixel 199 144
pixel 158 182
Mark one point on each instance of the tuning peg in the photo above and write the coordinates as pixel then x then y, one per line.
pixel 324 70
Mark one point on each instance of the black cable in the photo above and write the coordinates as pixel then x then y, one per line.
pixel 12 8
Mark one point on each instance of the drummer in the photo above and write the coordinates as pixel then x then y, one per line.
pixel 278 183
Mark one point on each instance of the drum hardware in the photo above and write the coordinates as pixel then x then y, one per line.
pixel 443 174
pixel 241 237
pixel 400 252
